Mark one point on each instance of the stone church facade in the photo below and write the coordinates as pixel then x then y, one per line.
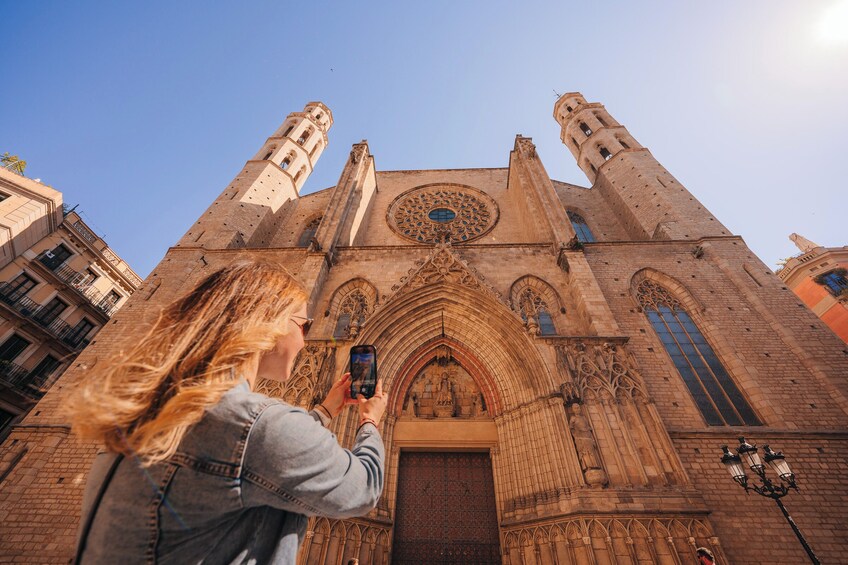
pixel 563 363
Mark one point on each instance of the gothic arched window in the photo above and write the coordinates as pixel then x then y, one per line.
pixel 534 310
pixel 309 232
pixel 352 313
pixel 716 395
pixel 584 234
pixel 287 161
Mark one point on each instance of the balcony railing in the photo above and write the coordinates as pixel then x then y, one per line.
pixel 73 337
pixel 79 282
pixel 27 382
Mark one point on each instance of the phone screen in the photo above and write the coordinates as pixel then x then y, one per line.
pixel 363 371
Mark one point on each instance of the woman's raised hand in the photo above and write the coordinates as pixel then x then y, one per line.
pixel 338 396
pixel 372 409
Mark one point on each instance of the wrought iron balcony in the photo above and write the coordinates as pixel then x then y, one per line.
pixel 79 282
pixel 73 337
pixel 26 382
pixel 17 300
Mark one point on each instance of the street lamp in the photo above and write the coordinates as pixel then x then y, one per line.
pixel 747 455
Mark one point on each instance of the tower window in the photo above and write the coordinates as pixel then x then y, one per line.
pixel 287 161
pixel 300 173
pixel 288 131
pixel 594 169
pixel 267 156
pixel 585 129
pixel 601 121
pixel 605 153
pixel 319 116
pixel 314 149
pixel 304 136
pixel 569 108
pixel 581 228
pixel 714 392
pixel 623 144
pixel 574 141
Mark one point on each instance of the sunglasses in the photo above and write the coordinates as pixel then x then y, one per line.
pixel 304 327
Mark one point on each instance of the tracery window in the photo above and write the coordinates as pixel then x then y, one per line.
pixel 535 311
pixel 431 213
pixel 584 234
pixel 716 395
pixel 352 313
pixel 309 232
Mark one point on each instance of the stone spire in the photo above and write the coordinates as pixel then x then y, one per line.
pixel 804 244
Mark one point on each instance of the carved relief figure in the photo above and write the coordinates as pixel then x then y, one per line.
pixel 587 449
pixel 443 407
pixel 444 389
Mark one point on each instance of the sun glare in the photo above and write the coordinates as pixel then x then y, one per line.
pixel 833 24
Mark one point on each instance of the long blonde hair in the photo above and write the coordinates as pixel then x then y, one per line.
pixel 144 402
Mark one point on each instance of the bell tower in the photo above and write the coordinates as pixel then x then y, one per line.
pixel 648 200
pixel 242 214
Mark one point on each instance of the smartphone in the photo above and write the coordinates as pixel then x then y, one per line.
pixel 363 371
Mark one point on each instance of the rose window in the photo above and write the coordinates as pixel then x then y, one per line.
pixel 432 213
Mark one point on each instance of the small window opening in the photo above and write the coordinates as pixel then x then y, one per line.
pixel 303 137
pixel 601 121
pixel 594 170
pixel 288 131
pixel 267 156
pixel 585 129
pixel 574 141
pixel 623 144
pixel 605 153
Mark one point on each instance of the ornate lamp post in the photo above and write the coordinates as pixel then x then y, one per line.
pixel 746 455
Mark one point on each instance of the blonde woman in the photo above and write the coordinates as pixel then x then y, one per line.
pixel 199 469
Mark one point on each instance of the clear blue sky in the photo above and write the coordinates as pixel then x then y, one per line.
pixel 120 105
